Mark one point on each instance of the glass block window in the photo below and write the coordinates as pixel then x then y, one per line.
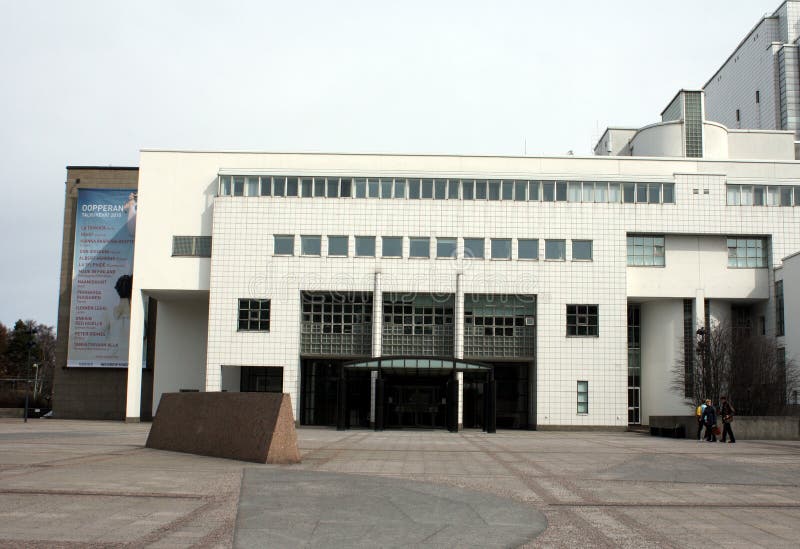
pixel 581 250
pixel 474 248
pixel 420 325
pixel 645 250
pixel 311 245
pixel 747 253
pixel 336 324
pixel 191 246
pixel 501 248
pixel 365 246
pixel 499 325
pixel 528 248
pixel 693 124
pixel 392 246
pixel 582 320
pixel 583 397
pixel 780 327
pixel 419 246
pixel 555 250
pixel 253 315
pixel 337 246
pixel 284 244
pixel 446 248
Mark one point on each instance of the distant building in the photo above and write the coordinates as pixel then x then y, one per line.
pixel 758 86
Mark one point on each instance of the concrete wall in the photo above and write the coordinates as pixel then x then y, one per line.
pixel 748 144
pixel 744 427
pixel 662 139
pixel 662 348
pixel 180 355
pixel 693 263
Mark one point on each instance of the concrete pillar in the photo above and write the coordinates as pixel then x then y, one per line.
pixel 458 321
pixel 377 317
pixel 460 378
pixel 700 310
pixel 133 402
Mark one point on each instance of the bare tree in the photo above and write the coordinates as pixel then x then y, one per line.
pixel 749 369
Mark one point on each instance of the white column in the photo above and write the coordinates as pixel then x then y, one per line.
pixel 377 316
pixel 460 378
pixel 700 310
pixel 133 401
pixel 458 321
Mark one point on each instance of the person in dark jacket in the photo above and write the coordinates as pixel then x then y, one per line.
pixel 726 411
pixel 710 421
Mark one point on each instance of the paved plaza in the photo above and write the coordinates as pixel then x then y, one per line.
pixel 93 484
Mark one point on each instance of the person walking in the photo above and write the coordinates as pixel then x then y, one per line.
pixel 710 421
pixel 726 411
pixel 699 415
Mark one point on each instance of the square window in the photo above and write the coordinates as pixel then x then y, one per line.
pixel 254 315
pixel 528 248
pixel 582 321
pixel 311 245
pixel 501 248
pixel 284 244
pixel 446 248
pixel 419 247
pixel 392 246
pixel 474 248
pixel 337 246
pixel 581 250
pixel 365 246
pixel 555 250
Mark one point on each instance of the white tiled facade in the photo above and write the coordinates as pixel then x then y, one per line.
pixel 178 196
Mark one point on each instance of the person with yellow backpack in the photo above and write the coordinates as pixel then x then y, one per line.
pixel 699 415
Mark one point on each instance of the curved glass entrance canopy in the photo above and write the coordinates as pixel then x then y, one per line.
pixel 431 365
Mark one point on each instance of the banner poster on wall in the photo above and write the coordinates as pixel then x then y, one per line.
pixel 102 277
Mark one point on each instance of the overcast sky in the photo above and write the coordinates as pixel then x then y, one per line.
pixel 92 82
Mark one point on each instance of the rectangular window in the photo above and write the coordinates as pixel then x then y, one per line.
pixel 251 186
pixel 473 248
pixel 373 188
pixel 601 192
pixel 347 188
pixel 669 193
pixel 224 185
pixel 581 250
pixel 399 188
pixel 284 244
pixel 361 187
pixel 413 189
pixel 780 328
pixel 582 320
pixel 508 190
pixel 628 192
pixel 528 248
pixel 519 190
pixel 386 187
pixel 452 189
pixel 588 191
pixel 555 250
pixel 319 186
pixel 744 253
pixel 440 189
pixel 266 186
pixel 279 186
pixel 786 196
pixel 253 315
pixel 307 187
pixel 501 248
pixel 419 246
pixel 191 246
pixel 561 191
pixel 583 397
pixel 574 191
pixel 733 195
pixel 614 193
pixel 641 193
pixel 548 191
pixel 758 196
pixel 533 190
pixel 446 248
pixel 654 193
pixel 480 189
pixel 494 190
pixel 645 250
pixel 291 186
pixel 392 246
pixel 332 188
pixel 365 246
pixel 311 245
pixel 468 189
pixel 238 186
pixel 337 246
pixel 427 188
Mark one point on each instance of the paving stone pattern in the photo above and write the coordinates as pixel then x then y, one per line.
pixel 93 484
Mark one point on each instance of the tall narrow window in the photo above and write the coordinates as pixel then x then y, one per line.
pixel 583 397
pixel 779 324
